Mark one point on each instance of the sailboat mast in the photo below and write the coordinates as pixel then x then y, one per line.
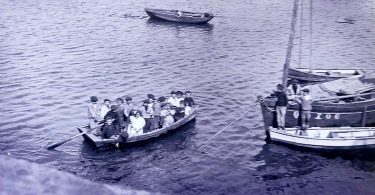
pixel 290 43
pixel 311 34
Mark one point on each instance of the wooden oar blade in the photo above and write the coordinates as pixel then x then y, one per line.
pixel 63 142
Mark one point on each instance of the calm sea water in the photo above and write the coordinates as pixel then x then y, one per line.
pixel 55 54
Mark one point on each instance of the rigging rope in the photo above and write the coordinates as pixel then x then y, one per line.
pixel 300 36
pixel 311 33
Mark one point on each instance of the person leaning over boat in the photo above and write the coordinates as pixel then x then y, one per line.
pixel 305 100
pixel 137 123
pixel 93 112
pixel 281 104
pixel 293 90
pixel 105 108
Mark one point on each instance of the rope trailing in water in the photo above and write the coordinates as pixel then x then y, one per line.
pixel 290 43
pixel 208 141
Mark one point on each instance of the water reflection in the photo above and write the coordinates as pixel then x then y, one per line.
pixel 152 22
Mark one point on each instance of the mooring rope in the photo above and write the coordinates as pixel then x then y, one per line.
pixel 208 141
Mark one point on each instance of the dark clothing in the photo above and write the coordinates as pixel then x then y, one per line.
pixel 121 116
pixel 189 101
pixel 180 113
pixel 114 115
pixel 109 130
pixel 282 99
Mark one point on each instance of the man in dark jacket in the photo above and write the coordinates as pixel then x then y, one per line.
pixel 109 129
pixel 281 104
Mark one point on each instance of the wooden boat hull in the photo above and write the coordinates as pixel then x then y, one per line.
pixel 307 76
pixel 353 114
pixel 171 16
pixel 99 142
pixel 327 138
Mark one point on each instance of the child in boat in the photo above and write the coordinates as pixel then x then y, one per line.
pixel 188 99
pixel 167 115
pixel 109 129
pixel 137 123
pixel 305 112
pixel 187 109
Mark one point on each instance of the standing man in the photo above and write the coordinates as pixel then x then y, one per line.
pixel 281 104
pixel 94 112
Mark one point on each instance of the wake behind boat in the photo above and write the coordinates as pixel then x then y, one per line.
pixel 179 16
pixel 98 141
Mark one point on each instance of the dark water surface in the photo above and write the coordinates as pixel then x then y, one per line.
pixel 55 54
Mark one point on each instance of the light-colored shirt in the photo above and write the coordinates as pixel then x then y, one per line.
pixel 187 110
pixel 103 111
pixel 174 101
pixel 127 109
pixel 137 123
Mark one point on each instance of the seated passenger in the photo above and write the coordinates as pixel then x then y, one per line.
pixel 188 99
pixel 113 114
pixel 187 109
pixel 167 116
pixel 180 111
pixel 180 97
pixel 173 100
pixel 137 123
pixel 109 129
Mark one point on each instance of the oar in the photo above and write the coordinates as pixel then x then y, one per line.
pixel 63 142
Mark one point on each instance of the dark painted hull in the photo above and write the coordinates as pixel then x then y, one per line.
pixel 355 114
pixel 304 76
pixel 171 16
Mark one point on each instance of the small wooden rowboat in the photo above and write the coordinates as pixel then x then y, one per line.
pixel 340 138
pixel 179 16
pixel 308 76
pixel 99 141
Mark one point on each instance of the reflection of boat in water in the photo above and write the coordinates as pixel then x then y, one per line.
pixel 307 76
pixel 179 16
pixel 339 138
pixel 98 141
pixel 162 23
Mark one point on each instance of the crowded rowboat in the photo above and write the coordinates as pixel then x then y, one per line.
pixel 125 123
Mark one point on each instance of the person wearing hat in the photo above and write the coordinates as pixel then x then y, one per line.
pixel 305 101
pixel 173 100
pixel 293 90
pixel 281 104
pixel 188 99
pixel 93 112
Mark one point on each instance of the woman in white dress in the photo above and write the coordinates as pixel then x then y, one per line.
pixel 137 123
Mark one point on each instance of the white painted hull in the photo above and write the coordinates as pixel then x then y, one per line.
pixel 327 138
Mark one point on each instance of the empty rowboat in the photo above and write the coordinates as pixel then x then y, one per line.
pixel 98 141
pixel 339 138
pixel 179 16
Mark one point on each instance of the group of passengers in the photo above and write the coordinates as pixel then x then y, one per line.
pixel 293 93
pixel 126 119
